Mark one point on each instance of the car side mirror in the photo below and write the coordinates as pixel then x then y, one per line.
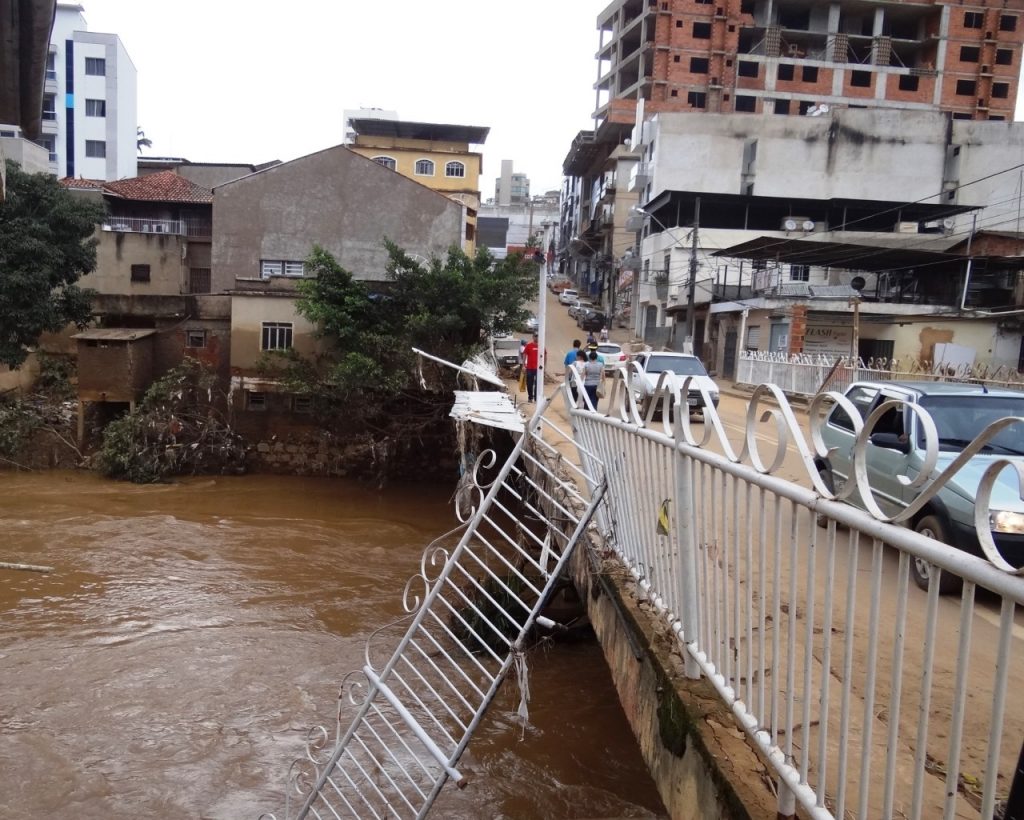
pixel 891 441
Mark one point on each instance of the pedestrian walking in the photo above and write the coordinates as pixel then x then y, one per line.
pixel 570 357
pixel 593 372
pixel 579 362
pixel 531 358
pixel 604 334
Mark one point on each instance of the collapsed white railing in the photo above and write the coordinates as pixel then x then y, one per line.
pixel 868 697
pixel 467 629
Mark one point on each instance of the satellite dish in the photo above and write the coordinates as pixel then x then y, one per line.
pixel 858 283
pixel 789 224
pixel 808 225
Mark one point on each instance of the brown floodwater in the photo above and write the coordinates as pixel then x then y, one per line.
pixel 192 633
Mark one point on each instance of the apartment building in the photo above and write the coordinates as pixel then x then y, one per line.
pixel 435 155
pixel 791 56
pixel 89 101
pixel 953 59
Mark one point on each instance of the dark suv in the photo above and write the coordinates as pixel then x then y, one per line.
pixel 897 448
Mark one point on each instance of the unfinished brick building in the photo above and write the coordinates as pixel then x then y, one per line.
pixel 789 56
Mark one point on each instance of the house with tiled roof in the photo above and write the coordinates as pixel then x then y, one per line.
pixel 152 273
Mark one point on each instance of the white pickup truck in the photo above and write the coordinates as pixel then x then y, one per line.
pixel 653 364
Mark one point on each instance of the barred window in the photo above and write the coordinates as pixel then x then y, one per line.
pixel 455 169
pixel 424 168
pixel 387 162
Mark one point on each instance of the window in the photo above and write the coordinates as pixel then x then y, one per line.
pixel 809 74
pixel 49 142
pixel 276 336
pixel 1007 22
pixel 965 88
pixel 140 273
pixel 455 169
pixel 51 66
pixel 805 106
pixel 960 115
pixel 1004 56
pixel 699 65
pixel 697 99
pixel 909 82
pixel 95 66
pixel 974 19
pixel 799 273
pixel 674 92
pixel 282 267
pixel 424 167
pixel 302 404
pixel 1001 90
pixel 95 108
pixel 387 162
pixel 860 79
pixel 199 280
pixel 747 69
pixel 96 149
pixel 969 54
pixel 786 71
pixel 861 398
pixel 255 401
pixel 49 107
pixel 745 103
pixel 702 31
pixel 676 58
pixel 195 338
pixel 782 106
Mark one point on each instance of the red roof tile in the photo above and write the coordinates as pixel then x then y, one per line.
pixel 81 183
pixel 165 186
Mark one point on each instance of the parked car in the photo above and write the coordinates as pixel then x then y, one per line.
pixel 580 306
pixel 530 325
pixel 592 320
pixel 896 448
pixel 558 285
pixel 652 365
pixel 567 296
pixel 506 353
pixel 614 356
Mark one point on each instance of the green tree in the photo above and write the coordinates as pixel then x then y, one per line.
pixel 46 245
pixel 445 306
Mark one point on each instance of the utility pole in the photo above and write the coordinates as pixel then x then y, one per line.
pixel 691 310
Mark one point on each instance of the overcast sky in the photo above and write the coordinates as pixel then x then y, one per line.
pixel 232 81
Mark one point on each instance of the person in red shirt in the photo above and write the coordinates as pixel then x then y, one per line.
pixel 531 355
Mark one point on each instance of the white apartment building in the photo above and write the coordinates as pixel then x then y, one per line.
pixel 90 104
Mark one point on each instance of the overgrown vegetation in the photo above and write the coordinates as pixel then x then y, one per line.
pixel 46 245
pixel 44 409
pixel 445 306
pixel 177 429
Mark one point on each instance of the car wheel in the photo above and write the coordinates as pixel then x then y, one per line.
pixel 931 526
pixel 826 478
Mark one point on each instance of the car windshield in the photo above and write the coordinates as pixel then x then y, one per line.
pixel 959 420
pixel 680 365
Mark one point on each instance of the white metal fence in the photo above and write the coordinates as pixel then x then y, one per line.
pixel 807 374
pixel 867 696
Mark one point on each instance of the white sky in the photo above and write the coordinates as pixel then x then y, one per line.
pixel 231 81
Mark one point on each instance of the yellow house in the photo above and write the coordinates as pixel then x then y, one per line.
pixel 435 155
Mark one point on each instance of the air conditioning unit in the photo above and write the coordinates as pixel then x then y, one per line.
pixel 798 223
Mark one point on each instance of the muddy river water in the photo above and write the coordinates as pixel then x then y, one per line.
pixel 191 633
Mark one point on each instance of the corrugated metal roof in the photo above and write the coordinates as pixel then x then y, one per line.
pixel 492 409
pixel 114 334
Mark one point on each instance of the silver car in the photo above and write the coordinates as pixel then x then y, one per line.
pixel 897 448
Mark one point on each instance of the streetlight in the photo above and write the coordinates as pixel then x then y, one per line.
pixel 691 313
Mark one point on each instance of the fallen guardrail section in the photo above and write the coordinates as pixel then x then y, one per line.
pixel 471 610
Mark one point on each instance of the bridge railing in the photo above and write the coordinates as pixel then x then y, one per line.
pixel 867 696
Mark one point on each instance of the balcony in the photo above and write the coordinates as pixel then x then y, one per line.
pixel 195 229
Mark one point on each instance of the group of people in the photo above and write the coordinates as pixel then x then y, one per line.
pixel 586 362
pixel 589 365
